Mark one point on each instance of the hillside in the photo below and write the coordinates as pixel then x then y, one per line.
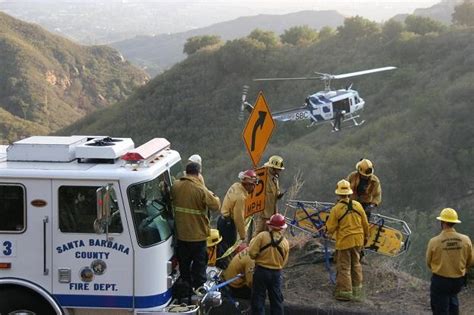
pixel 441 11
pixel 47 82
pixel 158 53
pixel 387 290
pixel 418 130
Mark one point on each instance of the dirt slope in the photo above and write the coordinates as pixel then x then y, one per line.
pixel 387 290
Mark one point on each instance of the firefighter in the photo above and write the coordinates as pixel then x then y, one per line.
pixel 270 250
pixel 365 186
pixel 348 222
pixel 241 264
pixel 213 240
pixel 272 193
pixel 191 201
pixel 231 222
pixel 196 158
pixel 448 256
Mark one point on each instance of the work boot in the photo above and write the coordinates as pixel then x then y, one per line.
pixel 343 295
pixel 357 294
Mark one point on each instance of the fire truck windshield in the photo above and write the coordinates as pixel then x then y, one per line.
pixel 151 210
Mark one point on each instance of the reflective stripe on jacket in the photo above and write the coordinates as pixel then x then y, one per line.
pixel 191 201
pixel 350 231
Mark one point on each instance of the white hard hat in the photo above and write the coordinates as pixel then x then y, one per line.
pixel 196 158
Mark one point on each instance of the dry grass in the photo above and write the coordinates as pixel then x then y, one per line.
pixel 298 241
pixel 294 189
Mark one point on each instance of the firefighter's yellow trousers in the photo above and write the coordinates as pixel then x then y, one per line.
pixel 349 273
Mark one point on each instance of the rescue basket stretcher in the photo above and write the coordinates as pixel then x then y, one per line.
pixel 388 236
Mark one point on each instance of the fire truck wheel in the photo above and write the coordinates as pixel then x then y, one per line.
pixel 17 300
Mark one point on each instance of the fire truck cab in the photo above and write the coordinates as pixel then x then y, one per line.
pixel 86 225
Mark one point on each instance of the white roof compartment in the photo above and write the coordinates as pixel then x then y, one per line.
pixel 67 149
pixel 104 148
pixel 44 149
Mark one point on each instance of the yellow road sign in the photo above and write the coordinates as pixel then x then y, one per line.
pixel 258 130
pixel 256 201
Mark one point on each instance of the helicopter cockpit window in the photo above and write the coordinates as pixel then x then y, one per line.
pixel 356 99
pixel 151 210
pixel 315 100
pixel 326 109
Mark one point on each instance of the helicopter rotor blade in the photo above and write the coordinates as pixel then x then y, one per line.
pixel 353 74
pixel 288 79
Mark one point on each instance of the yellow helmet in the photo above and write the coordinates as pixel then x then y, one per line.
pixel 214 238
pixel 448 215
pixel 275 161
pixel 343 188
pixel 365 167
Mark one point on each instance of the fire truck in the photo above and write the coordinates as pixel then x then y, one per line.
pixel 86 225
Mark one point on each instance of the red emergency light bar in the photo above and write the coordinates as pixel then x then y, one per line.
pixel 146 150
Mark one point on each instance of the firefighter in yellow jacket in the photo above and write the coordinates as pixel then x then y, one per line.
pixel 270 250
pixel 191 201
pixel 272 193
pixel 448 256
pixel 348 222
pixel 232 220
pixel 365 186
pixel 241 264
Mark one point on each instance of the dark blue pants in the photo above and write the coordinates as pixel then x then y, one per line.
pixel 444 294
pixel 264 280
pixel 192 257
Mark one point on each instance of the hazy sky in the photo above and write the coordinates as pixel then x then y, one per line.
pixel 373 9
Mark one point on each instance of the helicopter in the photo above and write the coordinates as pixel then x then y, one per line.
pixel 333 106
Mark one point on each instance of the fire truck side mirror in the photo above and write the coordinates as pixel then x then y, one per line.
pixel 103 208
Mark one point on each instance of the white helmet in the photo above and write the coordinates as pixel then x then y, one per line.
pixel 196 158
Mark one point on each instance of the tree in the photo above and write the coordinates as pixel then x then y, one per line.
pixel 392 29
pixel 299 36
pixel 423 25
pixel 269 38
pixel 326 32
pixel 464 13
pixel 357 27
pixel 195 43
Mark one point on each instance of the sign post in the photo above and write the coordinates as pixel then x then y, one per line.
pixel 258 130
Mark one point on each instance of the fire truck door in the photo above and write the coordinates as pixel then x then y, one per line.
pixel 25 236
pixel 90 269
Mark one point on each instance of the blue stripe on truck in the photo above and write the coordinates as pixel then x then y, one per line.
pixel 117 301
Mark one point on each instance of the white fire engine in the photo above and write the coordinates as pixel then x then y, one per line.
pixel 86 226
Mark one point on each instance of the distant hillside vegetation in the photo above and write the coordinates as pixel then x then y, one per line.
pixel 157 53
pixel 418 130
pixel 47 82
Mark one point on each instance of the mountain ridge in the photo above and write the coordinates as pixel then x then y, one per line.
pixel 158 53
